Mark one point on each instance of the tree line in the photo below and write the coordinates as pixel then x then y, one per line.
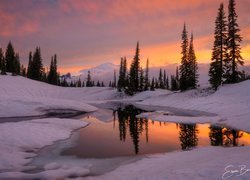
pixel 10 62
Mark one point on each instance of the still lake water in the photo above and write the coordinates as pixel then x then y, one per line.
pixel 126 135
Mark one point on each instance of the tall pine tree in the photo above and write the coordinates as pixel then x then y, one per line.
pixel 234 58
pixel 147 83
pixel 184 68
pixel 37 69
pixel 219 53
pixel 2 63
pixel 193 66
pixel 134 72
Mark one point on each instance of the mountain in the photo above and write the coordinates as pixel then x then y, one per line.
pixel 103 72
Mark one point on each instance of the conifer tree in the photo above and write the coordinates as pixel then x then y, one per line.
pixel 134 72
pixel 120 78
pixel 167 83
pixel 141 80
pixel 1 58
pixel 98 84
pixel 16 65
pixel 114 85
pixel 2 63
pixel 89 82
pixel 147 84
pixel 184 68
pixel 193 74
pixel 165 79
pixel 177 78
pixel 37 70
pixel 152 87
pixel 234 58
pixel 160 80
pixel 173 83
pixel 10 58
pixel 53 74
pixel 219 52
pixel 102 84
pixel 29 71
pixel 23 71
pixel 79 83
pixel 83 84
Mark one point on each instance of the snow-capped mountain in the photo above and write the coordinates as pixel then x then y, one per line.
pixel 103 72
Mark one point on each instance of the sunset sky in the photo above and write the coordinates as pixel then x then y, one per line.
pixel 85 33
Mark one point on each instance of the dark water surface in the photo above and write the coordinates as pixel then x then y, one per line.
pixel 122 134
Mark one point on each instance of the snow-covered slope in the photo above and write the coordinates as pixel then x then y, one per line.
pixel 24 97
pixel 230 102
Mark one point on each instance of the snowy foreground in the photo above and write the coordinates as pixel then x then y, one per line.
pixel 20 141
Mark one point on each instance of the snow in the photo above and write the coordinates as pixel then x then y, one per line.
pixel 200 163
pixel 24 97
pixel 21 140
pixel 167 117
pixel 231 103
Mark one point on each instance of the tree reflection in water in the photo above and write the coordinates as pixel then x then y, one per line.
pixel 188 136
pixel 131 126
pixel 224 136
pixel 128 122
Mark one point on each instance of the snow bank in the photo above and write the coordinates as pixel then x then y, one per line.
pixel 149 94
pixel 230 102
pixel 24 97
pixel 20 141
pixel 167 117
pixel 200 163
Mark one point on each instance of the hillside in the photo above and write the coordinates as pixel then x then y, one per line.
pixel 24 97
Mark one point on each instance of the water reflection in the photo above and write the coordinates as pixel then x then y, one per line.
pixel 122 134
pixel 224 136
pixel 127 121
pixel 188 133
pixel 188 136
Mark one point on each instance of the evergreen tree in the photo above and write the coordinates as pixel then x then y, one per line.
pixel 16 65
pixel 23 71
pixel 36 68
pixel 234 58
pixel 165 79
pixel 141 80
pixel 53 75
pixel 10 58
pixel 2 63
pixel 110 84
pixel 79 83
pixel 29 71
pixel 83 84
pixel 114 85
pixel 98 84
pixel 177 78
pixel 147 84
pixel 89 82
pixel 102 84
pixel 184 68
pixel 216 70
pixel 160 80
pixel 193 74
pixel 167 83
pixel 173 83
pixel 121 77
pixel 152 87
pixel 134 72
pixel 1 58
